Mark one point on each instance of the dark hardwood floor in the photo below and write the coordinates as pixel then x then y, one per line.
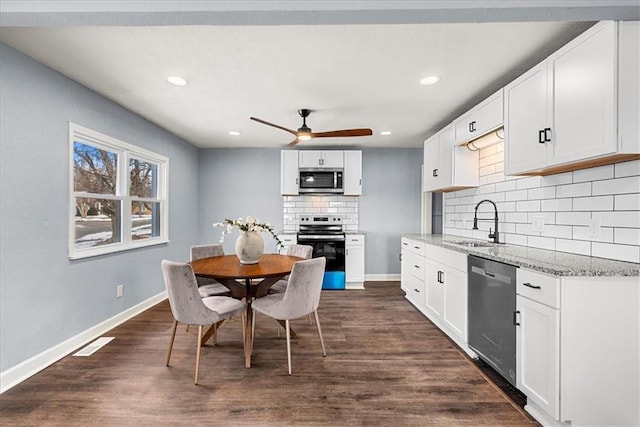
pixel 386 365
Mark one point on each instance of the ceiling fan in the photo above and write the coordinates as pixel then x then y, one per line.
pixel 304 132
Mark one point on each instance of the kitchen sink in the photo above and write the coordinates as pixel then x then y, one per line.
pixel 473 244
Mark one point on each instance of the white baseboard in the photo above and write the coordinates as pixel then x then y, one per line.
pixel 16 374
pixel 382 277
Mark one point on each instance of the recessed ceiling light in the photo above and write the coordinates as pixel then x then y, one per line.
pixel 429 80
pixel 385 132
pixel 234 133
pixel 178 81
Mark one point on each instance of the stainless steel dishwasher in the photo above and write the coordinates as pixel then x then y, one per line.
pixel 492 306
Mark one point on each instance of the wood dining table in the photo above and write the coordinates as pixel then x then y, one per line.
pixel 246 281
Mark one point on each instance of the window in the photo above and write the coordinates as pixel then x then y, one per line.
pixel 118 195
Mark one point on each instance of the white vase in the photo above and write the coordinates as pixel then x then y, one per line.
pixel 249 247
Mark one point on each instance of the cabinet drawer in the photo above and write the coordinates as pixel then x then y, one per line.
pixel 355 240
pixel 418 267
pixel 417 290
pixel 415 246
pixel 539 287
pixel 453 259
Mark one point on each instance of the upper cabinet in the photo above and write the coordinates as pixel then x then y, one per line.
pixel 352 175
pixel 484 117
pixel 448 167
pixel 579 107
pixel 289 184
pixel 349 161
pixel 321 159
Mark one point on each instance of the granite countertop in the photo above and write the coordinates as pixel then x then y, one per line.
pixel 545 261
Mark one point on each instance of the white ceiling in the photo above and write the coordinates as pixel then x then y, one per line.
pixel 351 75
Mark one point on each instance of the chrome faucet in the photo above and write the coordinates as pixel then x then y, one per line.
pixel 492 235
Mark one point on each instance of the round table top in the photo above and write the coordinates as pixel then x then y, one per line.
pixel 229 267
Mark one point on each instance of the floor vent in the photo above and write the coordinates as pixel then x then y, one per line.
pixel 94 346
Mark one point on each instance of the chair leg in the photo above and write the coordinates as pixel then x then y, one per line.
pixel 324 353
pixel 253 326
pixel 215 333
pixel 173 335
pixel 198 353
pixel 310 321
pixel 286 322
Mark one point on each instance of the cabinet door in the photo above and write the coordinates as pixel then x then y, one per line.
pixel 310 159
pixel 430 172
pixel 455 301
pixel 526 115
pixel 333 159
pixel 538 354
pixel 489 115
pixel 354 263
pixel 584 97
pixel 445 157
pixel 289 172
pixel 463 128
pixel 435 289
pixel 405 269
pixel 352 175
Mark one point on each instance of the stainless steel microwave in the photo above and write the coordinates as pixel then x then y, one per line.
pixel 320 181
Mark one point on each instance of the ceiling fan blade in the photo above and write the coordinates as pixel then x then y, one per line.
pixel 292 143
pixel 342 133
pixel 293 132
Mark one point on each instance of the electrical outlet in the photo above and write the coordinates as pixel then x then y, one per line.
pixel 538 223
pixel 119 291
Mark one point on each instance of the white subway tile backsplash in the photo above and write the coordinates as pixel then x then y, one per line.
pixel 619 252
pixel 593 174
pixel 600 203
pixel 516 195
pixel 559 179
pixel 573 246
pixel 528 206
pixel 565 203
pixel 627 219
pixel 541 242
pixel 573 190
pixel 531 182
pixel 627 202
pixel 631 168
pixel 626 236
pixel 617 186
pixel 557 205
pixel 573 218
pixel 541 193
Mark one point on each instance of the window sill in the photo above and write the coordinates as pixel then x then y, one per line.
pixel 116 248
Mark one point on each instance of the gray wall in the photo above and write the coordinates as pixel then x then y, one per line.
pixel 45 298
pixel 389 205
pixel 240 182
pixel 235 183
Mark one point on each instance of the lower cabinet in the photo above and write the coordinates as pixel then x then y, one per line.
pixel 578 348
pixel 354 261
pixel 287 240
pixel 435 282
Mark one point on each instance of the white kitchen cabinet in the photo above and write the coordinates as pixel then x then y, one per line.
pixel 352 174
pixel 564 113
pixel 354 261
pixel 448 167
pixel 289 177
pixel 538 339
pixel 484 117
pixel 413 273
pixel 578 346
pixel 434 291
pixel 321 159
pixel 287 240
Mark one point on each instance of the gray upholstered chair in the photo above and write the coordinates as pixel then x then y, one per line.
pixel 302 251
pixel 301 297
pixel 206 286
pixel 188 307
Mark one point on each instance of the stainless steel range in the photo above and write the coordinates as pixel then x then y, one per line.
pixel 326 235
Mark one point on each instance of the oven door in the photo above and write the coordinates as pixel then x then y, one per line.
pixel 329 246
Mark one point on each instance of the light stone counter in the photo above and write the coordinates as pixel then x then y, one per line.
pixel 545 261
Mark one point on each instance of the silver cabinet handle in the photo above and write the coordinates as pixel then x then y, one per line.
pixel 529 285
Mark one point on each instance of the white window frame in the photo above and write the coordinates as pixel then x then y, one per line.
pixel 125 152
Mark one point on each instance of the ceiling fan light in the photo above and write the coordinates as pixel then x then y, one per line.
pixel 304 137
